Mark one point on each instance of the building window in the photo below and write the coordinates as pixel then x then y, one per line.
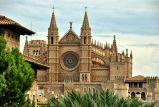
pixel 84 40
pixel 85 77
pixel 89 89
pixel 140 85
pixel 117 68
pixel 94 90
pixel 52 40
pixel 33 52
pixel 82 77
pixel 143 96
pixel 130 85
pixel 135 85
pixel 36 52
pixel 84 89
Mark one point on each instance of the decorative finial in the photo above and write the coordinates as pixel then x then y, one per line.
pixel 26 38
pixel 126 52
pixel 114 37
pixel 106 45
pixel 71 25
pixel 131 56
pixel 123 52
pixel 53 7
pixel 86 9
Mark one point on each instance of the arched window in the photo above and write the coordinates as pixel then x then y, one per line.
pixel 94 90
pixel 85 77
pixel 84 89
pixel 143 96
pixel 84 40
pixel 82 77
pixel 133 95
pixel 89 89
pixel 52 40
pixel 34 52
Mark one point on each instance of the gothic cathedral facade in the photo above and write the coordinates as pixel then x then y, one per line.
pixel 77 62
pixel 80 59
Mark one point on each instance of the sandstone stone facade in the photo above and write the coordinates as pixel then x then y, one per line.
pixel 77 62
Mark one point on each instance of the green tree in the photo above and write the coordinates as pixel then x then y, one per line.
pixel 16 77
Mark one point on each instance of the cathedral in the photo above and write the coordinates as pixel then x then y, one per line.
pixel 77 62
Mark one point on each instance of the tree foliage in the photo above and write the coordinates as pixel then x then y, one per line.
pixel 98 99
pixel 16 77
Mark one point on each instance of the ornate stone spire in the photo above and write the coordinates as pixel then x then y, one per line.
pixel 26 47
pixel 115 50
pixel 53 30
pixel 114 47
pixel 53 24
pixel 85 24
pixel 85 30
pixel 114 41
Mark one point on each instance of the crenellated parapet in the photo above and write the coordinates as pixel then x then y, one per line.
pixel 152 79
pixel 122 57
pixel 120 78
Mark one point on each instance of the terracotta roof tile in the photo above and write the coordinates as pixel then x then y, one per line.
pixel 138 78
pixel 6 22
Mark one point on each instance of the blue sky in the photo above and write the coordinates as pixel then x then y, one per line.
pixel 134 22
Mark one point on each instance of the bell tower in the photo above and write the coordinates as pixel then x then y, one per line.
pixel 85 59
pixel 53 58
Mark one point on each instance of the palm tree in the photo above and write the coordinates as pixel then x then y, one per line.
pixel 98 99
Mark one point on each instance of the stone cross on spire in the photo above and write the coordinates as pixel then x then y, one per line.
pixel 86 9
pixel 53 8
pixel 70 25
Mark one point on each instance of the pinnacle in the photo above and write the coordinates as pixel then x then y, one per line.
pixel 85 21
pixel 53 24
